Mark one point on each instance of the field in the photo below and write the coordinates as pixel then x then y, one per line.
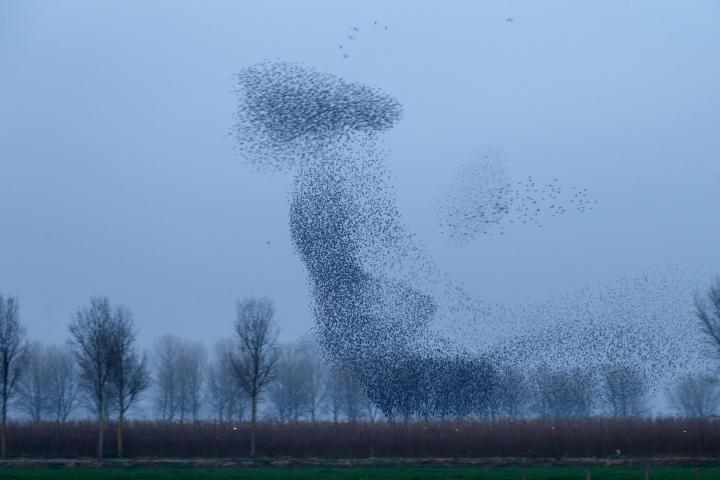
pixel 577 438
pixel 596 448
pixel 375 473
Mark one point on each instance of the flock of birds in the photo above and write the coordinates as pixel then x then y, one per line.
pixel 354 34
pixel 422 346
pixel 482 199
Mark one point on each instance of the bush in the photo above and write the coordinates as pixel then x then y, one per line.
pixel 590 437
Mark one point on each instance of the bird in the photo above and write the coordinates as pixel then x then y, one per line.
pixel 510 19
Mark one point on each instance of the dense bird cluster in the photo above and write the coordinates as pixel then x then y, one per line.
pixel 421 345
pixel 483 199
pixel 646 322
pixel 289 113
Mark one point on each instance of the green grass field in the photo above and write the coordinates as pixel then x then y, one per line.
pixel 375 473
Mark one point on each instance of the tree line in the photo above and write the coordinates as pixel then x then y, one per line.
pixel 101 370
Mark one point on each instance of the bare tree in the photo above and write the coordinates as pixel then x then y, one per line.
pixel 255 358
pixel 353 395
pixel 289 393
pixel 317 372
pixel 129 375
pixel 192 362
pixel 317 379
pixel 224 395
pixel 334 398
pixel 708 313
pixel 347 394
pixel 179 373
pixel 625 390
pixel 696 396
pixel 62 382
pixel 279 391
pixel 166 352
pixel 34 386
pixel 565 393
pixel 372 411
pixel 92 332
pixel 511 393
pixel 13 356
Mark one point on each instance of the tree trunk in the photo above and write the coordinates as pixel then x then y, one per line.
pixel 253 424
pixel 121 419
pixel 3 427
pixel 101 428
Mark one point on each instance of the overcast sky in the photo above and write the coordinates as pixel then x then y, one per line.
pixel 117 176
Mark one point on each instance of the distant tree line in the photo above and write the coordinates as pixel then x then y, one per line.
pixel 250 376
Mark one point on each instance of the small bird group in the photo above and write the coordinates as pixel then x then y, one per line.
pixel 352 35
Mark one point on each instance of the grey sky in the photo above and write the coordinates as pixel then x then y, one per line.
pixel 118 177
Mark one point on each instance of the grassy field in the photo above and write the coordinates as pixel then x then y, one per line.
pixel 375 473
